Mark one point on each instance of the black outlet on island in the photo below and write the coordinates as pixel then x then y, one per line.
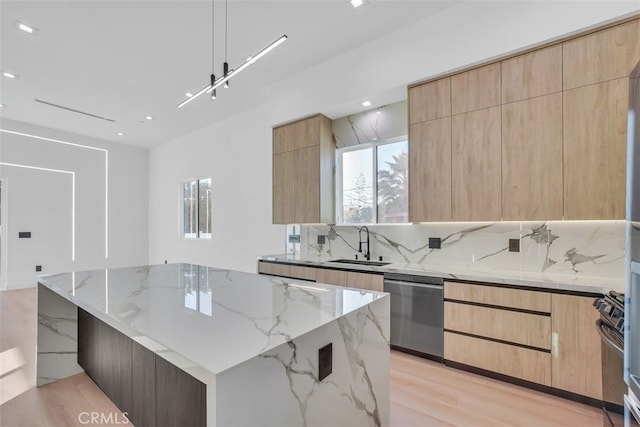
pixel 38 268
pixel 322 239
pixel 325 361
pixel 435 242
pixel 514 245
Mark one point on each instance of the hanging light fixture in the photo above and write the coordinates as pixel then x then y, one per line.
pixel 228 73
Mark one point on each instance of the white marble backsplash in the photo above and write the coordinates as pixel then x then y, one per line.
pixel 579 248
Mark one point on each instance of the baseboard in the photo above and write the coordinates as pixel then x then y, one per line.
pixel 15 286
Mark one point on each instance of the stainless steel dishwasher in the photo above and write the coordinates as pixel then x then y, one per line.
pixel 417 314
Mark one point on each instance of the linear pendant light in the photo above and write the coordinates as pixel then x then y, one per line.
pixel 215 83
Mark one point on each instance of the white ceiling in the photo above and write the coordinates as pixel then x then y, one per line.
pixel 127 59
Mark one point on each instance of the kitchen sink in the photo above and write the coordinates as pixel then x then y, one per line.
pixel 360 262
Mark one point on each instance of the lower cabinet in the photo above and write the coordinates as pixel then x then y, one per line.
pixel 149 389
pixel 352 279
pixel 537 336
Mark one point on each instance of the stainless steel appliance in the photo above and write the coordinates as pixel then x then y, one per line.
pixel 417 314
pixel 632 302
pixel 610 326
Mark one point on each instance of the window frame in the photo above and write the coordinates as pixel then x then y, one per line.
pixel 373 146
pixel 198 233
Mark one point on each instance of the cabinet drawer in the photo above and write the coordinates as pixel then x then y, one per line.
pixel 522 328
pixel 504 297
pixel 519 362
pixel 274 269
pixel 305 273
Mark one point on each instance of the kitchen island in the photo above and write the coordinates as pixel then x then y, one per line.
pixel 186 344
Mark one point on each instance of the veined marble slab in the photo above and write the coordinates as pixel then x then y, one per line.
pixel 253 340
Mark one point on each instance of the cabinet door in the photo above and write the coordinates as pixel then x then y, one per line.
pixel 605 55
pixel 576 352
pixel 283 139
pixel 307 132
pixel 515 361
pixel 372 282
pixel 430 171
pixel 476 170
pixel 595 147
pixel 430 101
pixel 532 159
pixel 331 277
pixel 284 187
pixel 533 74
pixel 476 89
pixel 307 179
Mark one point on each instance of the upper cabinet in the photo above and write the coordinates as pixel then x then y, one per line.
pixel 538 136
pixel 475 89
pixel 430 151
pixel 533 74
pixel 303 169
pixel 604 55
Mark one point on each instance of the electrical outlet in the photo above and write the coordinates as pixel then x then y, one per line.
pixel 322 239
pixel 294 238
pixel 514 245
pixel 435 242
pixel 24 234
pixel 325 361
pixel 38 268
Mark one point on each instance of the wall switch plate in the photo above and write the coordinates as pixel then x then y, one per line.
pixel 38 268
pixel 24 234
pixel 435 242
pixel 294 238
pixel 322 239
pixel 325 361
pixel 514 245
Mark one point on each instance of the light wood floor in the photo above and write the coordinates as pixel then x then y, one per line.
pixel 423 393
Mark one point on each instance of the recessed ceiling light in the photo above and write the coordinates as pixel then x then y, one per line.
pixel 120 134
pixel 188 94
pixel 10 75
pixel 148 117
pixel 366 103
pixel 26 28
pixel 3 105
pixel 357 3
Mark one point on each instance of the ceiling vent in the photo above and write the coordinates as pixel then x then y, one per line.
pixel 73 110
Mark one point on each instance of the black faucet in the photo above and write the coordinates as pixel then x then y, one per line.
pixel 367 254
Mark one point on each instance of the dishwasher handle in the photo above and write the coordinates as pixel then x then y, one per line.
pixel 418 285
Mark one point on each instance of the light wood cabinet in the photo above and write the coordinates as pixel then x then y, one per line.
pixel 498 296
pixel 602 56
pixel 352 279
pixel 532 159
pixel 595 144
pixel 533 330
pixel 430 101
pixel 476 165
pixel 476 89
pixel 540 336
pixel 518 362
pixel 430 171
pixel 303 178
pixel 533 74
pixel 576 353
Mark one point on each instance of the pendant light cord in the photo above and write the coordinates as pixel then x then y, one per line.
pixel 213 44
pixel 226 27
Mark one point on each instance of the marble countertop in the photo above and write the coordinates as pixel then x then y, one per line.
pixel 563 282
pixel 215 318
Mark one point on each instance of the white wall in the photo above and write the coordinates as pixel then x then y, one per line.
pixel 41 201
pixel 236 153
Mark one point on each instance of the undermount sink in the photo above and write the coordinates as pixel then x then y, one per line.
pixel 360 262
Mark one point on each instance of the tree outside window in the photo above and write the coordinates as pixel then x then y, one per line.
pixel 197 209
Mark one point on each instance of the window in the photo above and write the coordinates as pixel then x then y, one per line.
pixel 372 184
pixel 197 209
